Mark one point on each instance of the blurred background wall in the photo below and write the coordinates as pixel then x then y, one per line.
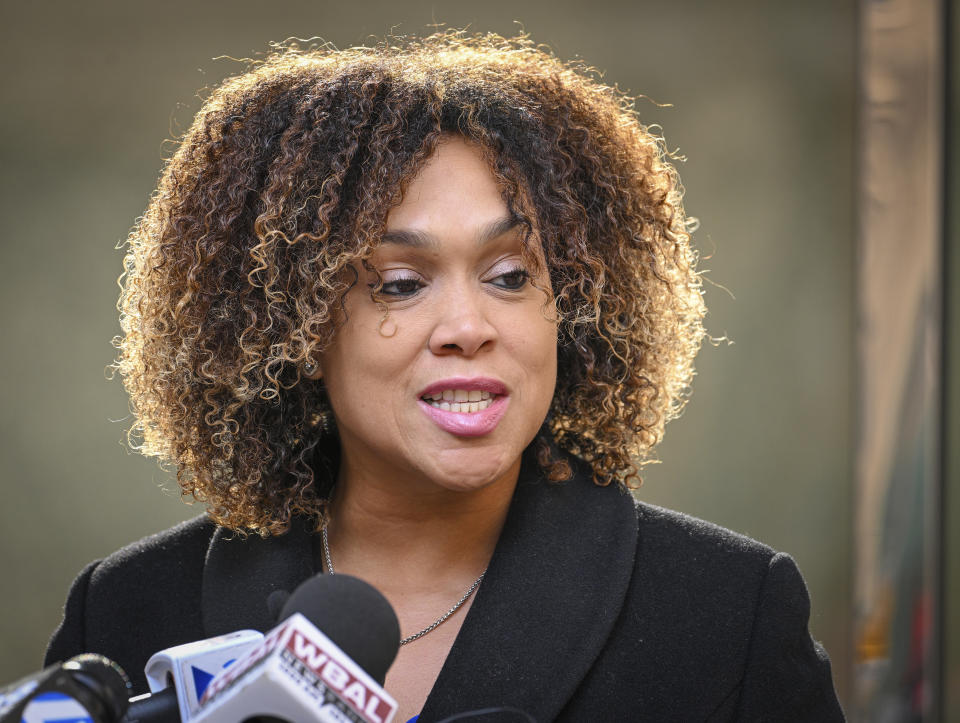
pixel 762 101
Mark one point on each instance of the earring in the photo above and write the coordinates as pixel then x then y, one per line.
pixel 322 420
pixel 310 368
pixel 326 422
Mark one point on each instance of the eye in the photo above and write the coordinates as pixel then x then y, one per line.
pixel 401 286
pixel 512 280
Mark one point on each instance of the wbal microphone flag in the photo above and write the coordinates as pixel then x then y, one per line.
pixel 298 674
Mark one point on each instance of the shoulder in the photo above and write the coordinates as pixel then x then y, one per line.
pixel 710 578
pixel 715 604
pixel 675 550
pixel 139 598
pixel 680 555
pixel 671 538
pixel 165 554
pixel 158 575
pixel 662 527
pixel 697 548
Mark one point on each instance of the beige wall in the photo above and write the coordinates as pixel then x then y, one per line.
pixel 763 97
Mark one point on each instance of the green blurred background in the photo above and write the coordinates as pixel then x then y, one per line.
pixel 762 101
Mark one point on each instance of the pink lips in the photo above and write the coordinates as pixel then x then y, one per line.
pixel 467 424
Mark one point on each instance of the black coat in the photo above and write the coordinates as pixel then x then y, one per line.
pixel 593 608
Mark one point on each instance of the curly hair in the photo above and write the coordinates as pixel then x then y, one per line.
pixel 235 274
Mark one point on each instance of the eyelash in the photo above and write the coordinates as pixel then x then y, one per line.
pixel 522 276
pixel 519 277
pixel 416 283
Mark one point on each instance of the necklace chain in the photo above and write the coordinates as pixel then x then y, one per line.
pixel 432 626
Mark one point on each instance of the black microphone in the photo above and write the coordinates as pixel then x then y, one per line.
pixel 299 673
pixel 354 615
pixel 87 687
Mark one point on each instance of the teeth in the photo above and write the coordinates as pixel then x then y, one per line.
pixel 474 395
pixel 448 395
pixel 460 407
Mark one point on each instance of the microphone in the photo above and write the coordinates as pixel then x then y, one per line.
pixel 87 688
pixel 298 673
pixel 178 676
pixel 354 615
pixel 93 689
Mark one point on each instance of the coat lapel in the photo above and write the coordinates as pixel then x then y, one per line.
pixel 549 601
pixel 240 573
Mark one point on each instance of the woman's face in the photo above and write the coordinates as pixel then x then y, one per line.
pixel 455 383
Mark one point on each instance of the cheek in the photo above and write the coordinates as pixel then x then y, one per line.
pixel 371 354
pixel 535 345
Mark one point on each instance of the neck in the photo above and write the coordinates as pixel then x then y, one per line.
pixel 415 532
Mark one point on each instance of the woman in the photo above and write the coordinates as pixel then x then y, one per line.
pixel 416 314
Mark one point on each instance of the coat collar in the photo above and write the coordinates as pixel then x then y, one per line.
pixel 240 573
pixel 553 591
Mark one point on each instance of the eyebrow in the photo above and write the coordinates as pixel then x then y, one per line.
pixel 421 239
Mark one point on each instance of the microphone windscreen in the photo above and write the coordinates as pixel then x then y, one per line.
pixel 354 615
pixel 275 602
pixel 104 678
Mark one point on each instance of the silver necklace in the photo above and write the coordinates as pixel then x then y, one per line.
pixel 432 626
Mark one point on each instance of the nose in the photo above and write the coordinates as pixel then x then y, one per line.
pixel 462 325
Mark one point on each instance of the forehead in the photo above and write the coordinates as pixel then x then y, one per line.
pixel 454 187
pixel 455 204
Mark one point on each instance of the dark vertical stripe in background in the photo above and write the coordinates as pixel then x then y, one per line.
pixel 950 605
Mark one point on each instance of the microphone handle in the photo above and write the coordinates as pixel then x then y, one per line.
pixel 159 707
pixel 163 707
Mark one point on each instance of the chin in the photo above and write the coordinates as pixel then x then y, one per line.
pixel 468 470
